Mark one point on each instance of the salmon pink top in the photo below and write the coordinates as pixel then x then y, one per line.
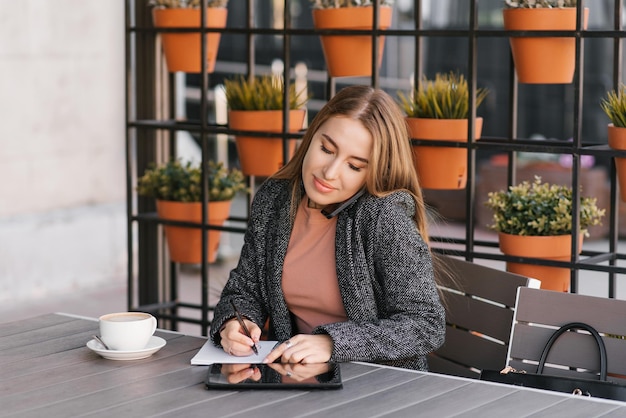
pixel 309 279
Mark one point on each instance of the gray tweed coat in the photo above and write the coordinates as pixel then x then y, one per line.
pixel 385 278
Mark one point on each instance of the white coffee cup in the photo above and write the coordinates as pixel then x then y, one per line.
pixel 127 331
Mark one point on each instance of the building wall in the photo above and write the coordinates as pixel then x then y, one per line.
pixel 62 171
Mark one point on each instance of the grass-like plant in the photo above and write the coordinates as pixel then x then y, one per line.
pixel 540 209
pixel 182 4
pixel 261 93
pixel 335 4
pixel 538 4
pixel 445 97
pixel 614 105
pixel 182 182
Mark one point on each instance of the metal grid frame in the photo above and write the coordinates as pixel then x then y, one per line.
pixel 149 133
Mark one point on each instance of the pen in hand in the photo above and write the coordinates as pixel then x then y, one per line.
pixel 245 328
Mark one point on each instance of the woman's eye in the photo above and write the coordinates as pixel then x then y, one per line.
pixel 354 167
pixel 326 150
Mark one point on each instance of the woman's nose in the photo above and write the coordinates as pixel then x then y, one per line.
pixel 331 169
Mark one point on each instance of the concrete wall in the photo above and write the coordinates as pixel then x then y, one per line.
pixel 62 178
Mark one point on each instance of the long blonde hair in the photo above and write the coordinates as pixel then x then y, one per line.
pixel 391 166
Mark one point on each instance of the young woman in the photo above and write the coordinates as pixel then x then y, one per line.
pixel 353 285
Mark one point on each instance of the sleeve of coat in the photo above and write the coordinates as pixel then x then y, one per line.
pixel 245 285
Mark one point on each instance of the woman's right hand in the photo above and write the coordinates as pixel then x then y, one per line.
pixel 234 340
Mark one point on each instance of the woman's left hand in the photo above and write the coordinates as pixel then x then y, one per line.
pixel 303 348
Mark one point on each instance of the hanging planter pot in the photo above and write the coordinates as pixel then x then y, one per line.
pixel 183 50
pixel 614 105
pixel 177 188
pixel 543 60
pixel 185 244
pixel 351 55
pixel 263 156
pixel 442 168
pixel 534 220
pixel 617 141
pixel 438 109
pixel 554 247
pixel 256 104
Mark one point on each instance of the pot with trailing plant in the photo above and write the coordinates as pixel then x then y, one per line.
pixel 256 104
pixel 614 105
pixel 177 188
pixel 534 220
pixel 543 60
pixel 438 110
pixel 350 55
pixel 183 50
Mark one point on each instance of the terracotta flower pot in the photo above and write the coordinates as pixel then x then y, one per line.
pixel 617 140
pixel 183 50
pixel 185 244
pixel 263 156
pixel 539 60
pixel 351 56
pixel 557 247
pixel 442 167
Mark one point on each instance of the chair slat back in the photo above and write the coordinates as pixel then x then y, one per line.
pixel 479 302
pixel 540 312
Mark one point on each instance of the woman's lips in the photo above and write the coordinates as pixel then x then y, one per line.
pixel 322 187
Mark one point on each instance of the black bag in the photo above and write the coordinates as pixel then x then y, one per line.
pixel 577 386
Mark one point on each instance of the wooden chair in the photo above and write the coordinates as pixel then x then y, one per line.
pixel 540 312
pixel 479 304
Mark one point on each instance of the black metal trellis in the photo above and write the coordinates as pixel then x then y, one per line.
pixel 148 273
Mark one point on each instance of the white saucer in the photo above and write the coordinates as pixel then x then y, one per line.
pixel 154 344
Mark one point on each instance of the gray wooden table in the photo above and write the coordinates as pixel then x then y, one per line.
pixel 46 370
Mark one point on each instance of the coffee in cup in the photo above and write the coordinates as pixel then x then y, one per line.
pixel 127 331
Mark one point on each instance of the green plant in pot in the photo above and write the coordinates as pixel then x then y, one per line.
pixel 438 110
pixel 350 55
pixel 334 4
pixel 177 188
pixel 182 4
pixel 256 104
pixel 614 105
pixel 543 60
pixel 535 220
pixel 538 4
pixel 183 51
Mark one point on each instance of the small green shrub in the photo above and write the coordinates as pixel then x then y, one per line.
pixel 180 182
pixel 540 209
pixel 181 4
pixel 537 4
pixel 334 4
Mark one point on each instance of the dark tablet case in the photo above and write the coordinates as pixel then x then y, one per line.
pixel 271 379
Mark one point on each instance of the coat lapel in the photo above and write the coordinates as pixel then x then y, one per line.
pixel 355 283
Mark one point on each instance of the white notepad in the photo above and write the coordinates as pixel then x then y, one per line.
pixel 210 354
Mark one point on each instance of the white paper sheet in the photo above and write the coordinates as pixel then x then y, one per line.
pixel 210 354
